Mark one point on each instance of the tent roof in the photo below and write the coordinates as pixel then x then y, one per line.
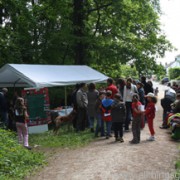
pixel 28 75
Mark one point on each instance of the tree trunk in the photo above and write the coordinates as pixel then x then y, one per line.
pixel 78 25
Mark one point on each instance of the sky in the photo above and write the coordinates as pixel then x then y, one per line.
pixel 170 21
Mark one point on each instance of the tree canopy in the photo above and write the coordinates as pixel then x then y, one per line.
pixel 100 32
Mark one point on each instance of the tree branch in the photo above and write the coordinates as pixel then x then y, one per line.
pixel 100 7
pixel 98 20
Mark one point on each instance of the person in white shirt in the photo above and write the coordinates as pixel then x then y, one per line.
pixel 129 90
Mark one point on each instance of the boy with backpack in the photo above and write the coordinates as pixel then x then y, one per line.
pixel 118 114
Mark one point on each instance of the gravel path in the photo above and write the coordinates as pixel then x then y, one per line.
pixel 107 160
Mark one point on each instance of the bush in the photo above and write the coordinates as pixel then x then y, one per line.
pixel 15 160
pixel 174 73
pixel 178 78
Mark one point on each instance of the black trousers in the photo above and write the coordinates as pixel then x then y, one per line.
pixel 128 114
pixel 118 129
pixel 81 120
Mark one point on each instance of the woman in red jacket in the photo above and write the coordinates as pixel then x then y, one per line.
pixel 150 114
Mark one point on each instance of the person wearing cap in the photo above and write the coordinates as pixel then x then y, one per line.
pixel 150 114
pixel 4 107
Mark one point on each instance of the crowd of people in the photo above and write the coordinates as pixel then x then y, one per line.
pixel 170 104
pixel 111 109
pixel 114 108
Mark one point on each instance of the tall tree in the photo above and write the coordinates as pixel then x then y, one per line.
pixel 81 32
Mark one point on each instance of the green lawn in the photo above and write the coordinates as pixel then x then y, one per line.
pixel 16 162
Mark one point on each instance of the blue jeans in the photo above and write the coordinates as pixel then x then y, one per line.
pixel 165 114
pixel 99 125
pixel 108 128
pixel 91 121
pixel 102 128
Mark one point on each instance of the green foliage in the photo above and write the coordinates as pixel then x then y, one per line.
pixel 174 73
pixel 57 96
pixel 65 138
pixel 160 71
pixel 15 160
pixel 117 70
pixel 129 71
pixel 106 33
pixel 109 69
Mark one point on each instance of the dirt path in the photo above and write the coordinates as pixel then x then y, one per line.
pixel 105 159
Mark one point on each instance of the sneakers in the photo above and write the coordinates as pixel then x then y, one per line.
pixel 163 127
pixel 119 139
pixel 151 138
pixel 133 142
pixel 28 147
pixel 126 130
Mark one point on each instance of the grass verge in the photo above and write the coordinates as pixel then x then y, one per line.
pixel 16 162
pixel 64 139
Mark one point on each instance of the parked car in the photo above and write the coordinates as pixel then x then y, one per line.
pixel 165 80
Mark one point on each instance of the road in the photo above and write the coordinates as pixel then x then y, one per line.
pixel 107 160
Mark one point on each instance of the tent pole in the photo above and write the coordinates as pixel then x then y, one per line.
pixel 65 98
pixel 14 85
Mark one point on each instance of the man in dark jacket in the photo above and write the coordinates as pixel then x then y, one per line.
pixel 147 87
pixel 4 107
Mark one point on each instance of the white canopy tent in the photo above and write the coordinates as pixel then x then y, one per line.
pixel 38 76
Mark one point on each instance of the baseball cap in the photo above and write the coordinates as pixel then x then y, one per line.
pixel 150 95
pixel 5 90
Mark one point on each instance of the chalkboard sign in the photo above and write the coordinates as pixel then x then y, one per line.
pixel 37 102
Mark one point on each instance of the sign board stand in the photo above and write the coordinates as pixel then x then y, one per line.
pixel 37 102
